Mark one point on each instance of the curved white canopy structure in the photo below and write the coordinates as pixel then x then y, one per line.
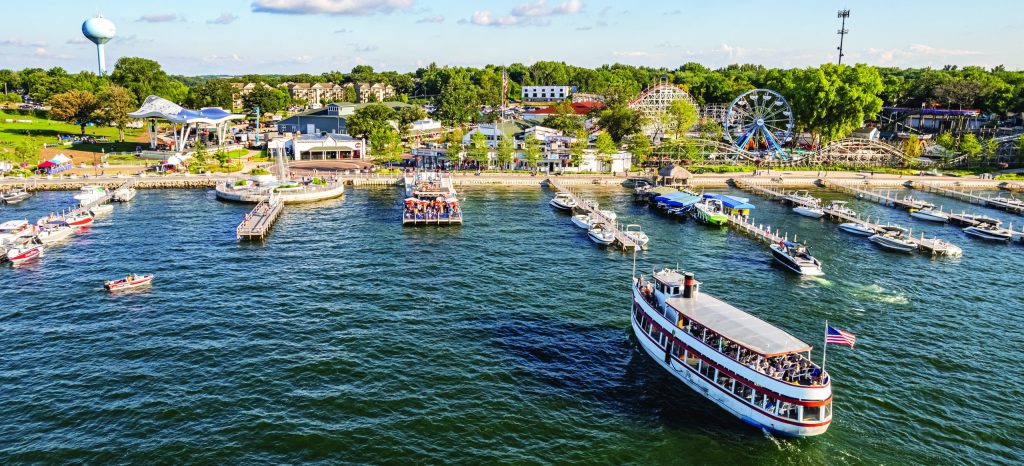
pixel 159 108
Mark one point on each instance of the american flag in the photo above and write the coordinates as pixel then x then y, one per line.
pixel 839 337
pixel 504 85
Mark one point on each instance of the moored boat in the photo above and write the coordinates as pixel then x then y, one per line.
pixel 14 196
pixel 128 283
pixel 748 367
pixel 24 253
pixel 563 201
pixel 601 236
pixel 809 211
pixel 894 238
pixel 608 214
pixel 89 194
pixel 55 234
pixel 989 230
pixel 79 220
pixel 801 197
pixel 124 195
pixel 710 212
pixel 101 209
pixel 796 257
pixel 584 221
pixel 638 236
pixel 930 214
pixel 12 230
pixel 840 208
pixel 861 229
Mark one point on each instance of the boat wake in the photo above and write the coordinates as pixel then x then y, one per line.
pixel 816 279
pixel 879 294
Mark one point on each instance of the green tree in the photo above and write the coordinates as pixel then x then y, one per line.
pixel 679 118
pixel 991 148
pixel 620 121
pixel 386 145
pixel 970 146
pixel 76 107
pixel 477 149
pixel 579 147
pixel 605 145
pixel 26 151
pixel 200 157
pixel 116 103
pixel 831 101
pixel 506 151
pixel 640 147
pixel 912 147
pixel 457 101
pixel 946 141
pixel 222 157
pixel 1020 148
pixel 564 119
pixel 144 78
pixel 531 150
pixel 269 100
pixel 373 117
pixel 212 93
pixel 408 115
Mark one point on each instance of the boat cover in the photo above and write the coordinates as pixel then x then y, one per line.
pixel 744 329
pixel 678 199
pixel 732 202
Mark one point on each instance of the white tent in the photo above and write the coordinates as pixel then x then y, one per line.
pixel 60 159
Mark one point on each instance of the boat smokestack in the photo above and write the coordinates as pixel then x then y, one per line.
pixel 689 285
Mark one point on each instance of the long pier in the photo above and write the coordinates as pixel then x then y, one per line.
pixel 620 237
pixel 1001 203
pixel 933 245
pixel 256 224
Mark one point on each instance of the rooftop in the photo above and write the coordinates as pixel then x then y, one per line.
pixel 738 326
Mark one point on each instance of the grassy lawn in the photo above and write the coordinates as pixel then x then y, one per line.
pixel 45 131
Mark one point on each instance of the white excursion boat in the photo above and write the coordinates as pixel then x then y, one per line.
pixel 124 195
pixel 638 236
pixel 989 230
pixel 809 211
pixel 128 283
pixel 584 221
pixel 20 254
pixel 55 234
pixel 601 236
pixel 14 196
pixel 563 201
pixel 101 209
pixel 840 207
pixel 748 367
pixel 894 238
pixel 930 214
pixel 796 257
pixel 89 194
pixel 861 229
pixel 79 220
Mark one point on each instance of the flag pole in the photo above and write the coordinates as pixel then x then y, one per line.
pixel 824 350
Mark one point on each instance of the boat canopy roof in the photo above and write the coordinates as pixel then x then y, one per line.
pixel 669 277
pixel 662 190
pixel 738 326
pixel 732 202
pixel 678 199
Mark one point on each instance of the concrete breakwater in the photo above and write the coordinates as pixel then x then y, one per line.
pixel 111 183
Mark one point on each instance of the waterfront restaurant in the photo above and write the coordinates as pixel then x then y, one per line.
pixel 183 121
pixel 331 146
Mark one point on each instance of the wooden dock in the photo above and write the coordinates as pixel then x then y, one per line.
pixel 932 245
pixel 1001 203
pixel 887 199
pixel 620 237
pixel 256 224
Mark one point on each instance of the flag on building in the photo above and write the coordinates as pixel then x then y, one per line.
pixel 839 337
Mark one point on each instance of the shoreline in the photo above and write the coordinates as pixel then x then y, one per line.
pixel 794 179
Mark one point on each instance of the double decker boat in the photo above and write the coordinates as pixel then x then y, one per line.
pixel 431 200
pixel 748 367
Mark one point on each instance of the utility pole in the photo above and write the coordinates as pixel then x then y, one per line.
pixel 843 14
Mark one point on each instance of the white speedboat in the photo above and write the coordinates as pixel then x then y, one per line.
pixel 20 254
pixel 563 201
pixel 12 230
pixel 930 214
pixel 895 239
pixel 79 220
pixel 634 233
pixel 584 221
pixel 128 283
pixel 861 229
pixel 14 196
pixel 840 207
pixel 101 209
pixel 809 211
pixel 124 195
pixel 989 231
pixel 55 234
pixel 748 367
pixel 801 197
pixel 90 194
pixel 601 236
pixel 608 214
pixel 796 257
pixel 921 204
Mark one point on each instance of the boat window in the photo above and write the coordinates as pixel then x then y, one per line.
pixel 828 410
pixel 788 410
pixel 812 413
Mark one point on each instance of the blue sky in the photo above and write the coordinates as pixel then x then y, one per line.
pixel 293 36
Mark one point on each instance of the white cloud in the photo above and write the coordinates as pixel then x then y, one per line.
pixel 432 19
pixel 633 54
pixel 78 40
pixel 329 7
pixel 913 55
pixel 21 43
pixel 302 59
pixel 158 18
pixel 364 48
pixel 571 6
pixel 599 24
pixel 224 18
pixel 223 58
pixel 525 14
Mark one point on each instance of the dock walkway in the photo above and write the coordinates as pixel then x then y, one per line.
pixel 256 224
pixel 931 245
pixel 620 237
pixel 968 196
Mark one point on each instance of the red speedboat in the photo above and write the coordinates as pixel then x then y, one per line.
pixel 79 220
pixel 128 283
pixel 21 254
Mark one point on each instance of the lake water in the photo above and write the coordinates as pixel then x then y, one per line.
pixel 348 338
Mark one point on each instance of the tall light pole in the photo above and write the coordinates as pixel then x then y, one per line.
pixel 843 14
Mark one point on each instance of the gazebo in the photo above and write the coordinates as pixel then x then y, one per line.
pixel 182 120
pixel 673 174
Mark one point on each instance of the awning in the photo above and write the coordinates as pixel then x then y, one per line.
pixel 738 326
pixel 732 202
pixel 46 164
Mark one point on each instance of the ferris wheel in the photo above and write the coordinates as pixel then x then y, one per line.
pixel 758 123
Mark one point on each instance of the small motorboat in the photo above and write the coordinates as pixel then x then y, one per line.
pixel 127 283
pixel 601 236
pixel 861 229
pixel 12 230
pixel 710 212
pixel 585 221
pixel 918 202
pixel 124 195
pixel 79 220
pixel 563 201
pixel 930 214
pixel 20 254
pixel 638 236
pixel 894 238
pixel 101 209
pixel 809 211
pixel 840 207
pixel 796 257
pixel 989 230
pixel 14 196
pixel 801 197
pixel 89 194
pixel 592 203
pixel 608 214
pixel 55 234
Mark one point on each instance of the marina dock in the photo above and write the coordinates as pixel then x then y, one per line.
pixel 256 224
pixel 931 245
pixel 84 208
pixel 968 196
pixel 620 238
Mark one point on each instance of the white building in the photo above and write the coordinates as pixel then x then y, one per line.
pixel 330 146
pixel 545 93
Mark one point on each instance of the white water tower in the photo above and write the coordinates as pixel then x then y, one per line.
pixel 99 30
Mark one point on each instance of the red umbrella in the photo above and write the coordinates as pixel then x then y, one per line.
pixel 47 164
